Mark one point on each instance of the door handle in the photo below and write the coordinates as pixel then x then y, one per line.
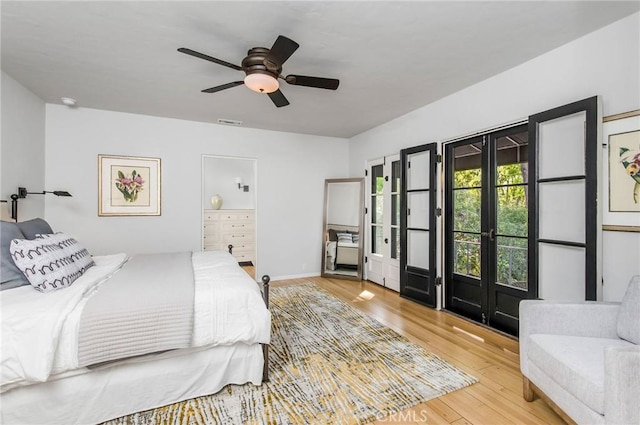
pixel 491 234
pixel 386 240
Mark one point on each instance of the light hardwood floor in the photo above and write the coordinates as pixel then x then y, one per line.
pixel 489 356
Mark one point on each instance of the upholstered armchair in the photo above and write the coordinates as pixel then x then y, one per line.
pixel 583 358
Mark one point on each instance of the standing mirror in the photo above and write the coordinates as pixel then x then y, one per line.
pixel 342 237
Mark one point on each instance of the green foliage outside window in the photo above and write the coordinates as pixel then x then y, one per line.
pixel 511 220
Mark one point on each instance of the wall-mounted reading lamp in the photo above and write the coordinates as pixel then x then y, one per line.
pixel 240 185
pixel 22 193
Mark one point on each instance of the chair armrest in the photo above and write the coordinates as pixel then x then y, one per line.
pixel 622 385
pixel 588 318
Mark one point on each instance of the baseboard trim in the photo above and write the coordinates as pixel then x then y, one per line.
pixel 295 276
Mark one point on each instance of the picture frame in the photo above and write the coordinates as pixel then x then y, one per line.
pixel 128 186
pixel 621 138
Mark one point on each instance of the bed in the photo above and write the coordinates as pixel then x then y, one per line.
pixel 110 344
pixel 342 246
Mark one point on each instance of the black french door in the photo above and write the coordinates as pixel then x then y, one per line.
pixel 486 230
pixel 418 202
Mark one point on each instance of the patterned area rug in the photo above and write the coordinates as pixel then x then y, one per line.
pixel 329 364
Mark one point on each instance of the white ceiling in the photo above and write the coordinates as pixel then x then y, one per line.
pixel 391 57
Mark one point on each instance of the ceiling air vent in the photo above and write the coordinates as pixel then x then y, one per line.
pixel 229 122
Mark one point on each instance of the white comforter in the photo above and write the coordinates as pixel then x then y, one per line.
pixel 40 331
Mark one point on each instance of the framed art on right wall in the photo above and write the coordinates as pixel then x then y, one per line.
pixel 621 134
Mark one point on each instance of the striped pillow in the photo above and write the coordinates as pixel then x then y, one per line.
pixel 345 237
pixel 73 249
pixel 46 266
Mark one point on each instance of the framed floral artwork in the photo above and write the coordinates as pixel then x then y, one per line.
pixel 128 186
pixel 621 135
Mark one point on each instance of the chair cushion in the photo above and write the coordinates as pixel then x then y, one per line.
pixel 629 317
pixel 575 363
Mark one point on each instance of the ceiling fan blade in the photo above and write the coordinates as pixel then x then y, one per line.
pixel 223 87
pixel 209 58
pixel 278 98
pixel 321 83
pixel 281 50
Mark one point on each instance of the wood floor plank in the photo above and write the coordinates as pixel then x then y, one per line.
pixel 490 356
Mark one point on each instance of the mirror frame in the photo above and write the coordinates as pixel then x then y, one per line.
pixel 360 226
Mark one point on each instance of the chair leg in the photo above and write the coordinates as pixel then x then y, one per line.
pixel 527 391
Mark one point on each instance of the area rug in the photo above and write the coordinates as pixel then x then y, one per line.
pixel 329 364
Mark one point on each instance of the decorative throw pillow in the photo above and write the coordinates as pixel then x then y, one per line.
pixel 31 228
pixel 44 264
pixel 72 248
pixel 629 316
pixel 333 235
pixel 10 275
pixel 355 237
pixel 345 237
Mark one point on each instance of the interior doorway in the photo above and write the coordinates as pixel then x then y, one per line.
pixel 229 205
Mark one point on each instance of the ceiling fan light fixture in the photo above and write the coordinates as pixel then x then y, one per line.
pixel 261 82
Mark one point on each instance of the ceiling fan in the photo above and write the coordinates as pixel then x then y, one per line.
pixel 263 67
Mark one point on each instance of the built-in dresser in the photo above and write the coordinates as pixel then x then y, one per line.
pixel 230 227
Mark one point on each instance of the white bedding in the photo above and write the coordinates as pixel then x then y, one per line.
pixel 40 331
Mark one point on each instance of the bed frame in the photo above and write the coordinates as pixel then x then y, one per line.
pixel 265 347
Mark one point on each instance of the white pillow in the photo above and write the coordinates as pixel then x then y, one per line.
pixel 46 266
pixel 73 249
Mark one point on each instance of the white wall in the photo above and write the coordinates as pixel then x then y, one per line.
pixel 23 139
pixel 219 177
pixel 605 62
pixel 290 187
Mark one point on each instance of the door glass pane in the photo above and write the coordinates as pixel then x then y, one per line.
pixel 376 240
pixel 418 204
pixel 563 215
pixel 378 209
pixel 466 210
pixel 418 171
pixel 395 243
pixel 418 247
pixel 512 210
pixel 395 177
pixel 561 146
pixel 395 210
pixel 467 162
pixel 377 179
pixel 561 272
pixel 512 262
pixel 466 255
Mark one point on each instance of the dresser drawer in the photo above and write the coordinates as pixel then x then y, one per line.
pixel 211 216
pixel 237 227
pixel 243 256
pixel 212 238
pixel 215 246
pixel 237 237
pixel 245 216
pixel 242 247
